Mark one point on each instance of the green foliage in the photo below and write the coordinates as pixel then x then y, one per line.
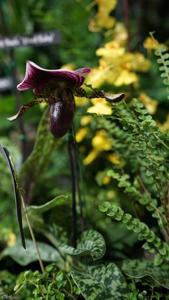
pixel 144 148
pixel 94 242
pixel 25 257
pixel 7 283
pixel 53 284
pixel 38 159
pixel 146 268
pixel 17 194
pixel 35 212
pixel 138 195
pixel 91 244
pixel 138 139
pixel 136 191
pixel 143 231
pixel 163 61
pixel 101 282
pixel 73 46
pixel 7 213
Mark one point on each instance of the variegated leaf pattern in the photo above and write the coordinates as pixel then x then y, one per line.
pixel 136 268
pixel 101 282
pixel 91 243
pixel 94 242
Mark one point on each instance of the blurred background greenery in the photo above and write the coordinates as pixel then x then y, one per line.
pixel 112 37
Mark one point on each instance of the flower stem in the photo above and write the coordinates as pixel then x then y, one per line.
pixel 73 167
pixel 33 236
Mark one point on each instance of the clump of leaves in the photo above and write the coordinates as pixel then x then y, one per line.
pixel 53 284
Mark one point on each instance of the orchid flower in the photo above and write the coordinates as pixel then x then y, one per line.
pixel 57 88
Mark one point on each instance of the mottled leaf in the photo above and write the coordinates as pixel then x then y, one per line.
pixel 145 268
pixel 91 243
pixel 101 282
pixel 74 251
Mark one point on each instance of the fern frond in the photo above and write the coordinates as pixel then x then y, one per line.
pixel 153 242
pixel 143 198
pixel 163 61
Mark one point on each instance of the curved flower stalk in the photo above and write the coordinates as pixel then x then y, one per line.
pixel 57 88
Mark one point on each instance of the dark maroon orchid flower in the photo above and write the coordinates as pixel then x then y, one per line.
pixel 57 88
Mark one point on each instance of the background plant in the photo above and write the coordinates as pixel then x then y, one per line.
pixel 123 156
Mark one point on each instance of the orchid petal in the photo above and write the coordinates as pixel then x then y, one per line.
pixel 36 77
pixel 24 108
pixel 114 98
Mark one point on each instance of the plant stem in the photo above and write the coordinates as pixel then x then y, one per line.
pixel 78 181
pixel 73 167
pixel 33 236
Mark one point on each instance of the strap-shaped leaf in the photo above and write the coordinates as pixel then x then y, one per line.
pixel 40 209
pixel 18 200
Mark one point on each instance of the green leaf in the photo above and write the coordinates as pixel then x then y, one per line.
pixel 40 209
pixel 93 241
pixel 91 244
pixel 18 200
pixel 145 268
pixel 100 282
pixel 68 250
pixel 166 81
pixel 25 257
pixel 39 157
pixel 35 212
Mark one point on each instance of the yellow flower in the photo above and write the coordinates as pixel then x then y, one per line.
pixel 110 50
pixel 96 77
pixel 103 18
pixel 11 241
pixel 116 66
pixel 120 34
pixel 91 157
pixel 125 78
pixel 150 43
pixel 106 179
pixel 81 134
pixel 115 159
pixel 85 120
pixel 138 62
pixel 165 125
pixel 100 107
pixel 101 142
pixel 149 103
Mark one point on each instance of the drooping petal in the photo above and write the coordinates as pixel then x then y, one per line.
pixel 24 108
pixel 83 71
pixel 37 77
